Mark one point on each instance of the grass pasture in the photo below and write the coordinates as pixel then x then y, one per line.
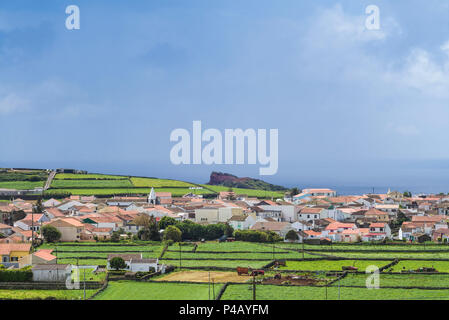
pixel 399 280
pixel 271 292
pixel 128 290
pixel 248 192
pixel 440 266
pixel 21 185
pixel 332 265
pixel 44 294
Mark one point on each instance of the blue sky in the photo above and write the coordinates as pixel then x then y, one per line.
pixel 353 107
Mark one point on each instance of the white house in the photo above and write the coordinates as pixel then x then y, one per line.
pixel 51 272
pixel 135 263
pixel 241 222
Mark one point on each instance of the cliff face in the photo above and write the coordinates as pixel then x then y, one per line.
pixel 229 180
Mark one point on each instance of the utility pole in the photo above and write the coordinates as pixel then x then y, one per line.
pixel 209 285
pixel 339 288
pixel 254 286
pixel 32 228
pixel 180 259
pixel 303 248
pixel 84 280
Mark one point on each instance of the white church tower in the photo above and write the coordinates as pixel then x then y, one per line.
pixel 152 196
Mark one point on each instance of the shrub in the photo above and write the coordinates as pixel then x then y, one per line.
pixel 172 233
pixel 16 275
pixel 117 263
pixel 50 233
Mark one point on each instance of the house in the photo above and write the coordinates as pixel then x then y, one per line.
pixel 5 230
pixel 103 221
pixel 302 225
pixel 378 215
pixel 309 214
pixel 241 222
pixel 43 256
pixel 10 253
pixel 70 228
pixel 281 228
pixel 32 221
pixel 287 211
pixel 260 213
pixel 135 263
pixel 51 203
pixel 51 272
pixel 441 235
pixel 216 214
pixel 308 193
pixel 54 213
pixel 377 231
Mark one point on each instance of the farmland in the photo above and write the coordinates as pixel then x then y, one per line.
pixel 96 254
pixel 272 292
pixel 399 280
pixel 22 179
pixel 128 290
pixel 333 265
pixel 221 258
pixel 248 192
pixel 45 294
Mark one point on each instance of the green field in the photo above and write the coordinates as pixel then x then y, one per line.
pixel 96 253
pixel 399 280
pixel 128 290
pixel 74 184
pixel 218 263
pixel 270 292
pixel 441 266
pixel 248 192
pixel 45 294
pixel 88 176
pixel 21 185
pixel 176 192
pixel 235 246
pixel 332 265
pixel 158 183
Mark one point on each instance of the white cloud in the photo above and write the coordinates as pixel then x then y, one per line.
pixel 11 103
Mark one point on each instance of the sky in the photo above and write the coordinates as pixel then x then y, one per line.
pixel 354 107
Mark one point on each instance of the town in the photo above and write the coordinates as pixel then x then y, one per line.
pixel 185 237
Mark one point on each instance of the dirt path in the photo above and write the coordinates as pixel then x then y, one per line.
pixel 50 178
pixel 203 276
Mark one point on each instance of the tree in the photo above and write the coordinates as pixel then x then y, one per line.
pixel 172 233
pixel 294 191
pixel 115 237
pixel 117 263
pixel 165 222
pixel 142 221
pixel 50 233
pixel 291 235
pixel 407 194
pixel 38 207
pixel 150 229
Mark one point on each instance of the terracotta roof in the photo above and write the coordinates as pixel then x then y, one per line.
pixel 45 254
pixel 6 248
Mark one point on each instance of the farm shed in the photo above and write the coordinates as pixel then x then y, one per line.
pixel 51 272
